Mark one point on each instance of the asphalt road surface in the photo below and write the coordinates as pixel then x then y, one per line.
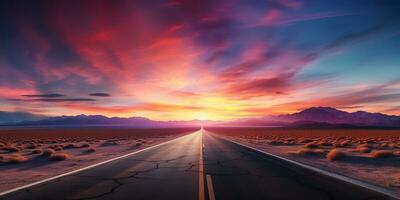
pixel 196 166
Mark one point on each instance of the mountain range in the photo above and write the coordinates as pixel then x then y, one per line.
pixel 100 120
pixel 11 117
pixel 311 117
pixel 323 117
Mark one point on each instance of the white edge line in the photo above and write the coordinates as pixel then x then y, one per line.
pixel 323 172
pixel 201 192
pixel 211 194
pixel 88 167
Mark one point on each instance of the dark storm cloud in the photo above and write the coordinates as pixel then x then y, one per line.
pixel 55 100
pixel 52 95
pixel 100 94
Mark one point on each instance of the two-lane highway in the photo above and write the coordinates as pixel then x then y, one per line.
pixel 196 166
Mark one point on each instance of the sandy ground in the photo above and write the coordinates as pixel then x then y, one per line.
pixel 39 167
pixel 383 172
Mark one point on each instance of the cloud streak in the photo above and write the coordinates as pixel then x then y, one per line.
pixel 53 95
pixel 100 94
pixel 55 100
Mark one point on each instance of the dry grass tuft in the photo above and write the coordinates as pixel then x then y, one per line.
pixel 382 154
pixel 138 144
pixel 90 150
pixel 69 146
pixel 37 151
pixel 59 156
pixel 384 145
pixel 326 144
pixel 84 145
pixel 363 149
pixel 30 146
pixel 341 144
pixel 58 148
pixel 364 145
pixel 311 145
pixel 10 149
pixel 110 143
pixel 48 152
pixel 272 142
pixel 304 141
pixel 311 152
pixel 14 159
pixel 335 154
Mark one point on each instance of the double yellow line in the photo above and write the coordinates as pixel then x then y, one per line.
pixel 211 195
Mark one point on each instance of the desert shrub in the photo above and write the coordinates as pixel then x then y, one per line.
pixel 344 143
pixel 37 151
pixel 110 143
pixel 363 150
pixel 310 152
pixel 338 145
pixel 59 156
pixel 311 145
pixel 14 159
pixel 304 141
pixel 84 145
pixel 10 149
pixel 364 145
pixel 341 144
pixel 384 145
pixel 138 144
pixel 272 142
pixel 58 148
pixel 382 154
pixel 335 154
pixel 289 142
pixel 48 152
pixel 325 144
pixel 90 150
pixel 69 146
pixel 30 146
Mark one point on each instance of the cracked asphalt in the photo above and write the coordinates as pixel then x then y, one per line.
pixel 241 173
pixel 171 171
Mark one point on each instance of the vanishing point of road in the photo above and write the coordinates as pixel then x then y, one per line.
pixel 198 166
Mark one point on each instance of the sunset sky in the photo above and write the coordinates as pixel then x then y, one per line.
pixel 205 59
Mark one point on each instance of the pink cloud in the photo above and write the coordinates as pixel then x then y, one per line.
pixel 270 18
pixel 294 4
pixel 10 92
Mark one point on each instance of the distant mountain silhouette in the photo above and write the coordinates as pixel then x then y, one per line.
pixel 91 120
pixel 10 117
pixel 311 117
pixel 322 117
pixel 335 116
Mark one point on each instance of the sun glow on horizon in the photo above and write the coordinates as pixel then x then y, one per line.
pixel 202 116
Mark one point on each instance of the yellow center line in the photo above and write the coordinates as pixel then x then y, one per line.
pixel 210 188
pixel 201 169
